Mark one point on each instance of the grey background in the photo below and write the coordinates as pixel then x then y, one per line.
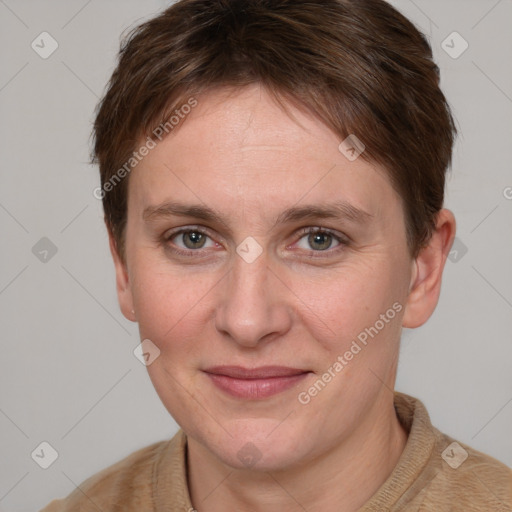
pixel 68 375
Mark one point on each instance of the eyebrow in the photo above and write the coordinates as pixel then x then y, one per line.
pixel 338 210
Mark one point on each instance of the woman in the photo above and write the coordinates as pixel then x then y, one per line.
pixel 273 181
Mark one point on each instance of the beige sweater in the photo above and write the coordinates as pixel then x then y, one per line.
pixel 432 475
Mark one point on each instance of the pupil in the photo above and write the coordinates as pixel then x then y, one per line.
pixel 195 239
pixel 315 238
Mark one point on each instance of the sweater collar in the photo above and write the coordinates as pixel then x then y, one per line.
pixel 170 486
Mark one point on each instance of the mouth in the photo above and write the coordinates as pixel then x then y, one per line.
pixel 255 383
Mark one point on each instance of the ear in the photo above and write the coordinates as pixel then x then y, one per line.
pixel 123 285
pixel 425 286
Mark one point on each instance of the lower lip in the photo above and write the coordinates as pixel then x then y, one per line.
pixel 254 389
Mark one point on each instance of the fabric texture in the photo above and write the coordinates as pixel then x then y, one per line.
pixel 433 474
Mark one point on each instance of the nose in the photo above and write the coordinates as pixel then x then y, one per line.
pixel 254 305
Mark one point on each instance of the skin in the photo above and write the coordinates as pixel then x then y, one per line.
pixel 239 153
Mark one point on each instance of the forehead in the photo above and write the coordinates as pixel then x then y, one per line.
pixel 239 150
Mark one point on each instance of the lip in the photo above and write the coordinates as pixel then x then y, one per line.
pixel 255 383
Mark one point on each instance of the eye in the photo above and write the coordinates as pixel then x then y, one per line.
pixel 192 241
pixel 320 240
pixel 188 240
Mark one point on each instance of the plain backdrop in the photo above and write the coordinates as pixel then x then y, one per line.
pixel 68 375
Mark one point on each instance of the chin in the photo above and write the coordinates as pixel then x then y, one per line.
pixel 259 449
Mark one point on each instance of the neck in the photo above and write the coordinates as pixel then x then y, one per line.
pixel 341 479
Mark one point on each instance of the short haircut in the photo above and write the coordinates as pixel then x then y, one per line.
pixel 358 65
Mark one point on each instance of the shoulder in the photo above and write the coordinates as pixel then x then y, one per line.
pixel 466 480
pixel 440 474
pixel 125 486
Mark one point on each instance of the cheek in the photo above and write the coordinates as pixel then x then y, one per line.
pixel 176 306
pixel 337 306
pixel 169 305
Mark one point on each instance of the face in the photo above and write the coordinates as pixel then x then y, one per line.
pixel 272 279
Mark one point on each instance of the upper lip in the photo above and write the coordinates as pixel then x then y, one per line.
pixel 261 372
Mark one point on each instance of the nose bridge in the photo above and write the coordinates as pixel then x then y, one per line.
pixel 251 306
pixel 251 276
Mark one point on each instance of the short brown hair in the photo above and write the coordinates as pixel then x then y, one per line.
pixel 358 65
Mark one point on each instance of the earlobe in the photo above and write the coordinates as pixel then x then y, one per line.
pixel 123 284
pixel 425 286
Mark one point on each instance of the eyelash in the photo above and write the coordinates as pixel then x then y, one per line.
pixel 343 241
